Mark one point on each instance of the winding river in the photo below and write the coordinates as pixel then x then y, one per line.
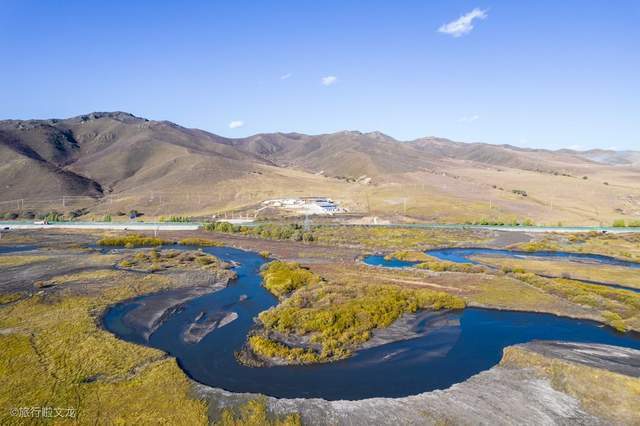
pixel 446 348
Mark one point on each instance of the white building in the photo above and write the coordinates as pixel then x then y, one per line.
pixel 305 205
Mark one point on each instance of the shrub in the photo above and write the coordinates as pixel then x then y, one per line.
pixel 175 219
pixel 52 216
pixel 202 242
pixel 77 213
pixel 438 266
pixel 281 278
pixel 339 317
pixel 619 223
pixel 294 232
pixel 409 256
pixel 268 348
pixel 131 241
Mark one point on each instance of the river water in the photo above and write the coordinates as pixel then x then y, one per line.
pixel 451 346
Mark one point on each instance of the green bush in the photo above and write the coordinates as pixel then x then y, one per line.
pixel 619 223
pixel 52 216
pixel 131 241
pixel 174 219
pixel 202 242
pixel 281 278
pixel 409 256
pixel 340 317
pixel 438 266
pixel 294 231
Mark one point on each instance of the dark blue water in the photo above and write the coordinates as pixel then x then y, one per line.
pixel 458 344
pixel 14 249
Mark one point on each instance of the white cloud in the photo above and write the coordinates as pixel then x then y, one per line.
pixel 329 80
pixel 469 118
pixel 286 76
pixel 577 147
pixel 463 24
pixel 236 124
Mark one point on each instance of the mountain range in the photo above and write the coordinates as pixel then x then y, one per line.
pixel 108 161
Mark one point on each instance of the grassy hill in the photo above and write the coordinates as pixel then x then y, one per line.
pixel 121 162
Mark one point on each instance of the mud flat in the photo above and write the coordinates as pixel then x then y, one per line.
pixel 146 314
pixel 540 382
pixel 205 323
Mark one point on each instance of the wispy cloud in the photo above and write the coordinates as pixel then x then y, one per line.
pixel 236 124
pixel 463 24
pixel 329 80
pixel 469 118
pixel 286 76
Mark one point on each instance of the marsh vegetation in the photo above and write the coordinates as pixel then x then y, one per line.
pixel 131 241
pixel 159 260
pixel 334 318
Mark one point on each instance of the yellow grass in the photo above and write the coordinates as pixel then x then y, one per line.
pixel 576 270
pixel 10 261
pixel 57 356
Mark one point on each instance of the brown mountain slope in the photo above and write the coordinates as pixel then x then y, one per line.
pixel 126 162
pixel 347 153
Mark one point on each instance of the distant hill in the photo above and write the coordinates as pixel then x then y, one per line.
pixel 614 158
pixel 120 162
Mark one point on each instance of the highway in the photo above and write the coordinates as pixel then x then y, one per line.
pixel 191 226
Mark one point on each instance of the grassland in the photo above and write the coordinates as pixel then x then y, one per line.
pixel 336 317
pixel 616 402
pixel 624 246
pixel 566 269
pixel 254 413
pixel 396 238
pixel 53 354
pixel 15 260
pixel 619 308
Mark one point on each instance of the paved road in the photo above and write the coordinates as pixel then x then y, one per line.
pixel 141 226
pixel 133 226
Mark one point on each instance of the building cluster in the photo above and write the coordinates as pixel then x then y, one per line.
pixel 305 205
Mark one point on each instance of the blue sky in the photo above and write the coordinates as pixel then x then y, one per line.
pixel 540 74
